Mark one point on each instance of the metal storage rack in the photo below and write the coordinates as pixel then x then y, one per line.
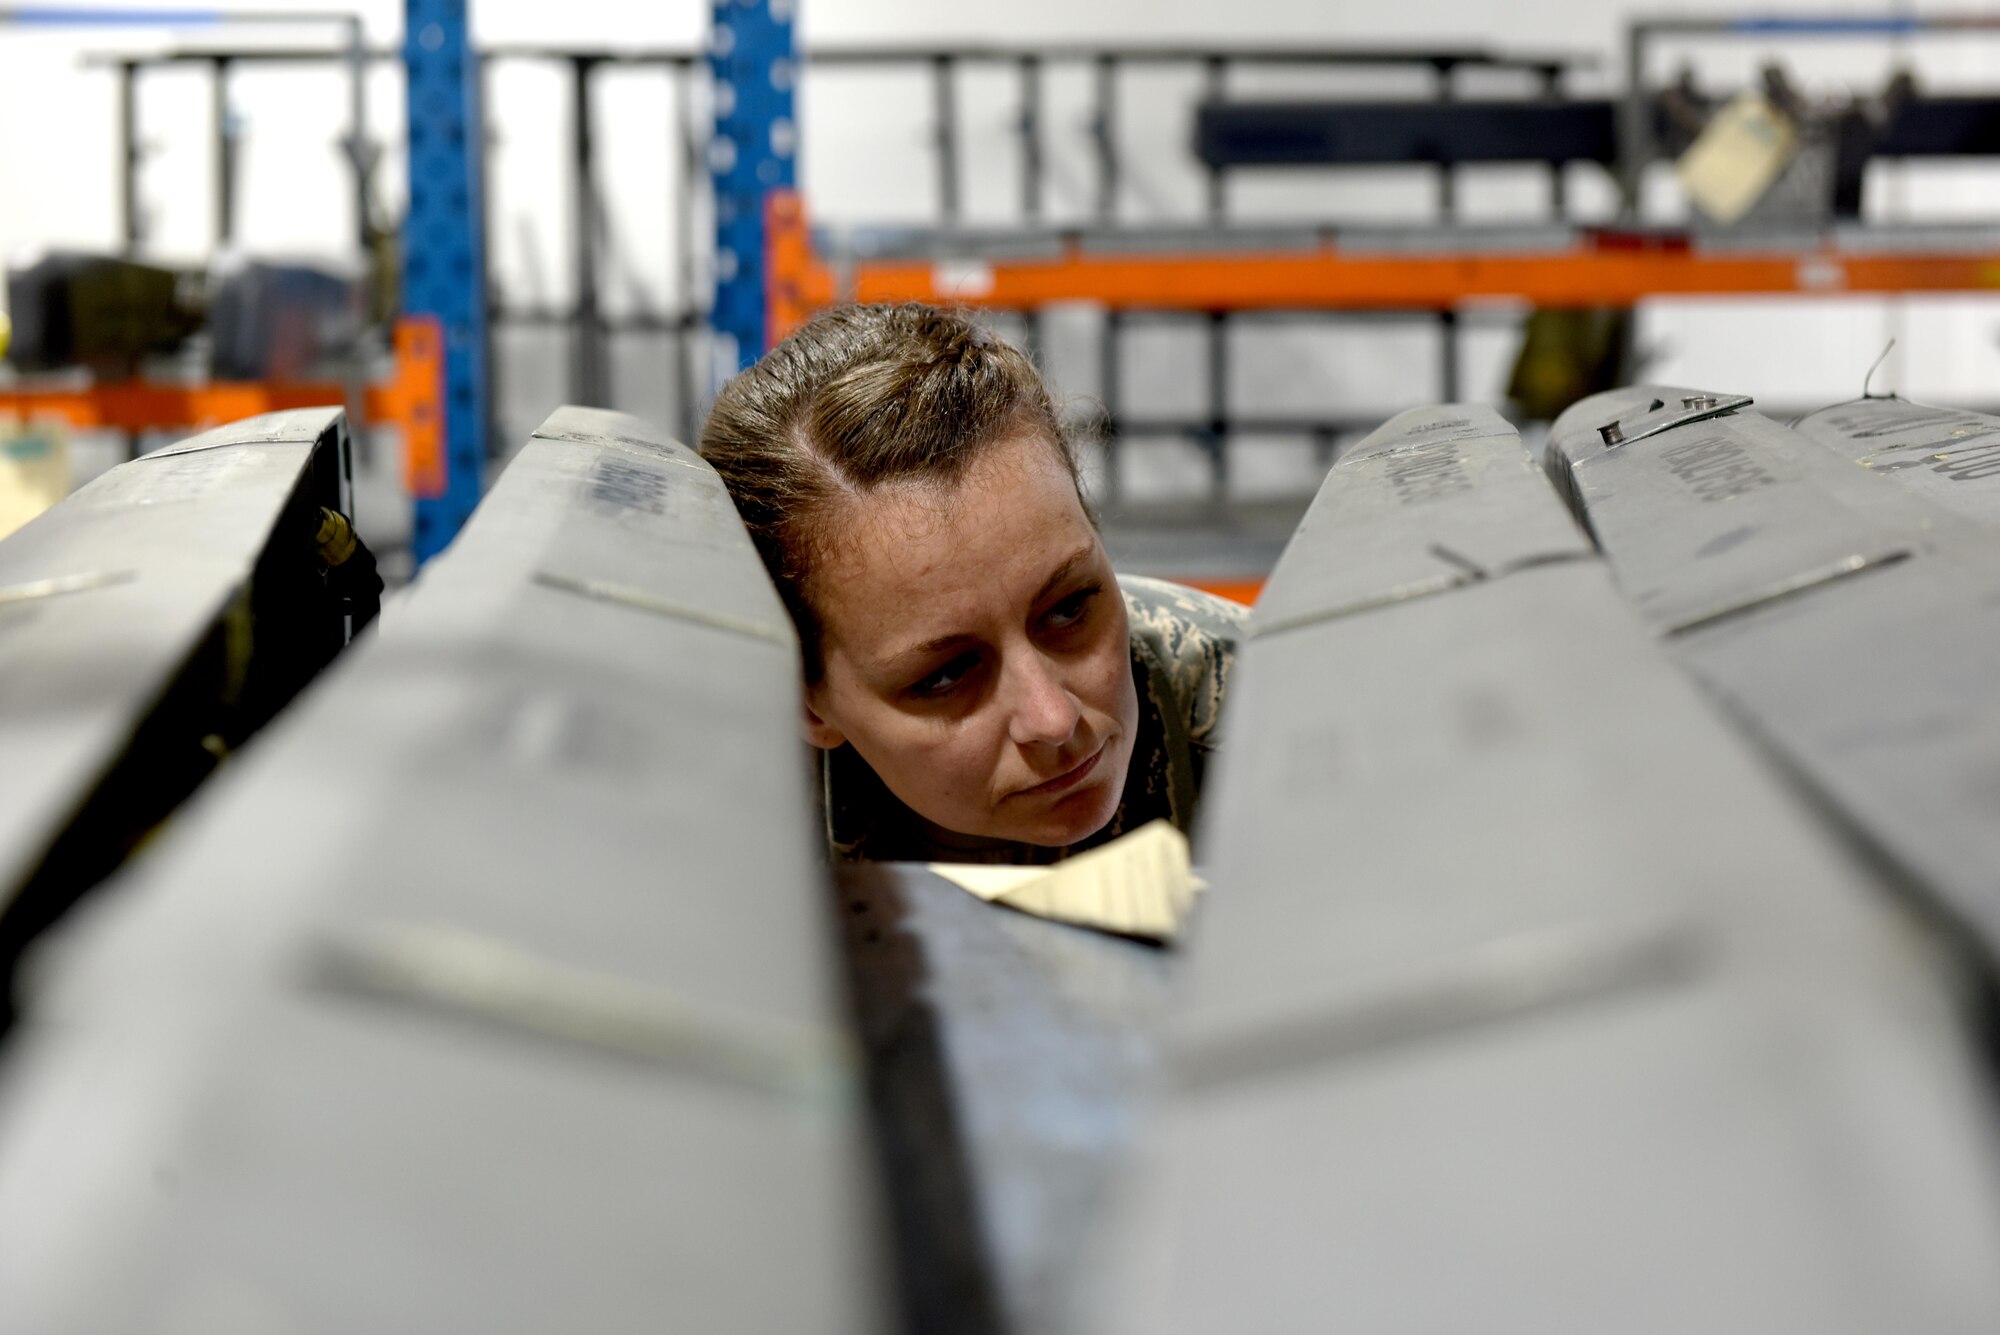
pixel 1212 271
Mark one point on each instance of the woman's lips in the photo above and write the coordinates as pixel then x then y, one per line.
pixel 1068 779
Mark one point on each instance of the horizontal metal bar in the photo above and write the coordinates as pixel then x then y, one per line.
pixel 919 55
pixel 1302 133
pixel 1347 133
pixel 1201 54
pixel 596 55
pixel 1497 316
pixel 1597 272
pixel 122 16
pixel 649 322
pixel 961 251
pixel 93 16
pixel 654 322
pixel 1825 25
pixel 244 55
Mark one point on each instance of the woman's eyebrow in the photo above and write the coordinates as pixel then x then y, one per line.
pixel 925 650
pixel 940 643
pixel 1064 571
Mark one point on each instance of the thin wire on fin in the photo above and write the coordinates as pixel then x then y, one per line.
pixel 1870 377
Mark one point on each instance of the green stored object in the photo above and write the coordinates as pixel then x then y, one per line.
pixel 1567 355
pixel 96 311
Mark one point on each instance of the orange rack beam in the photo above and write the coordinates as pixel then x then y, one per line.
pixel 412 400
pixel 1327 278
pixel 1243 590
pixel 1603 269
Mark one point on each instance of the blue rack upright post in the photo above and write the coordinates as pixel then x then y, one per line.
pixel 444 268
pixel 752 153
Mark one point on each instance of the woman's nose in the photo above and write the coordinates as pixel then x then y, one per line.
pixel 1044 711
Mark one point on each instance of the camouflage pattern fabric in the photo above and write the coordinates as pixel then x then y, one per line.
pixel 1183 643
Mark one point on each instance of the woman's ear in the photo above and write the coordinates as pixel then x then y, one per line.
pixel 818 731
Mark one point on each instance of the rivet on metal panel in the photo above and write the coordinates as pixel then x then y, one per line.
pixel 1613 433
pixel 1698 401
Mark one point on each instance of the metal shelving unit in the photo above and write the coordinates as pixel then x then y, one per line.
pixel 1108 68
pixel 1212 272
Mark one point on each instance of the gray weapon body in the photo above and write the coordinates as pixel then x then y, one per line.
pixel 1947 455
pixel 496 986
pixel 148 623
pixel 493 989
pixel 1526 998
pixel 1849 622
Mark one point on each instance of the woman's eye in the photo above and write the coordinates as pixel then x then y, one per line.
pixel 1073 609
pixel 946 677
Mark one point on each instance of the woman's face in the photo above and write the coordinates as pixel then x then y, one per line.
pixel 975 650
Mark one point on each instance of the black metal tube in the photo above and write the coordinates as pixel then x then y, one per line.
pixel 129 225
pixel 225 152
pixel 1447 213
pixel 945 129
pixel 1634 132
pixel 1216 88
pixel 1558 186
pixel 358 151
pixel 1325 441
pixel 586 345
pixel 496 430
pixel 1107 392
pixel 1031 138
pixel 1447 180
pixel 1448 369
pixel 686 336
pixel 1104 127
pixel 1217 440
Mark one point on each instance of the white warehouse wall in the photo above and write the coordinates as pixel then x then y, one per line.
pixel 866 160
